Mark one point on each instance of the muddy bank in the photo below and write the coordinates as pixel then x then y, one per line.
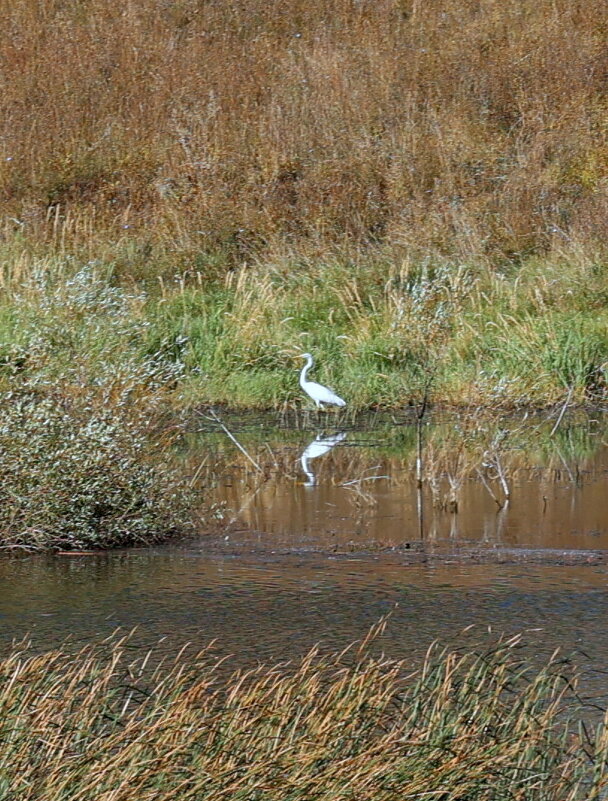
pixel 226 542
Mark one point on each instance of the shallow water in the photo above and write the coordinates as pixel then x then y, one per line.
pixel 306 561
pixel 265 608
pixel 355 485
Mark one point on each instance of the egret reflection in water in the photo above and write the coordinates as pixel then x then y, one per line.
pixel 318 447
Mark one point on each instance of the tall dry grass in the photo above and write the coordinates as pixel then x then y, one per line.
pixel 477 128
pixel 481 726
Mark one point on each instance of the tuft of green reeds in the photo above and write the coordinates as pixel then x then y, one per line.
pixel 481 725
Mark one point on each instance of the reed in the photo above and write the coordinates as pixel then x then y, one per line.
pixel 105 724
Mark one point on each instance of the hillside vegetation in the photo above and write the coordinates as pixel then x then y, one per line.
pixel 415 192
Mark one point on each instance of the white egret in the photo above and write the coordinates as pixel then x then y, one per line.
pixel 318 447
pixel 317 392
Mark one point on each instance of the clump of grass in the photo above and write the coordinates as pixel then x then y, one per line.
pixel 383 334
pixel 80 474
pixel 545 355
pixel 481 725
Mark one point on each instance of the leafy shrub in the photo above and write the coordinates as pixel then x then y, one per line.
pixel 76 474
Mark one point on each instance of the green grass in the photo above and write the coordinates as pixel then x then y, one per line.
pixel 380 334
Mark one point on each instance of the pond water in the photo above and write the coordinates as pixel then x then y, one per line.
pixel 485 483
pixel 332 532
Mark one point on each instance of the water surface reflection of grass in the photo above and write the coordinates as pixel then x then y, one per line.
pixel 385 481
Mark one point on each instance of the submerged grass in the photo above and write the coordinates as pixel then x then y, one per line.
pixel 481 725
pixel 504 453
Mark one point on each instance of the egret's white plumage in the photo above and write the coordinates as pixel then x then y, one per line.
pixel 318 447
pixel 317 392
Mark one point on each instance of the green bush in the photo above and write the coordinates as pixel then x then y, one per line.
pixel 77 474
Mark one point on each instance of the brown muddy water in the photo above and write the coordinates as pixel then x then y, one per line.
pixel 486 484
pixel 332 532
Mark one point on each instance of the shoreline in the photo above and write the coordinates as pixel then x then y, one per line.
pixel 409 554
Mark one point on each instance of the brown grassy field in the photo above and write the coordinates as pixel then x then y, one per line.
pixel 416 193
pixel 476 129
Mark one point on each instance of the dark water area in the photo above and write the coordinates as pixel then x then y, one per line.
pixel 271 609
pixel 302 555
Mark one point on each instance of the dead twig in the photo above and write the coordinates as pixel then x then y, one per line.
pixel 213 416
pixel 563 411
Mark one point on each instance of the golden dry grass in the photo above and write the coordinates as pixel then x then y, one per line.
pixel 477 128
pixel 100 725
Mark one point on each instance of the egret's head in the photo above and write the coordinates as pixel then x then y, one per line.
pixel 305 356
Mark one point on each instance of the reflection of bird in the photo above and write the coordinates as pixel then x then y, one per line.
pixel 318 447
pixel 317 392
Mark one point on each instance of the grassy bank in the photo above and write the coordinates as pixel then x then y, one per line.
pixel 382 333
pixel 411 193
pixel 478 725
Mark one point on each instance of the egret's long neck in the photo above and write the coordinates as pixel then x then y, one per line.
pixel 309 474
pixel 305 369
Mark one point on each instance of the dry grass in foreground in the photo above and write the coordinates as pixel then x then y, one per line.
pixel 100 726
